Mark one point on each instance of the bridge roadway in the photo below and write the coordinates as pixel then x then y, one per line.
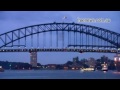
pixel 59 50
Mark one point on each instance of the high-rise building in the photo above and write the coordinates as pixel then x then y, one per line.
pixel 117 61
pixel 91 62
pixel 33 59
pixel 75 60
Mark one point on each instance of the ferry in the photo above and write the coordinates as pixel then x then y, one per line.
pixel 104 67
pixel 87 69
pixel 1 69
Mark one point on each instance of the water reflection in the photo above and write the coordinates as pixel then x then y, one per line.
pixel 116 72
pixel 59 74
pixel 105 71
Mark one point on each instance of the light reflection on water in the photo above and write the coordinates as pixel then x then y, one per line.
pixel 116 72
pixel 105 71
pixel 58 74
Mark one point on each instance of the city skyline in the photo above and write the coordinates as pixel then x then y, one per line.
pixel 60 63
pixel 11 20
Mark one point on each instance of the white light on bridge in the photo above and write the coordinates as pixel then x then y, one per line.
pixel 113 48
pixel 119 58
pixel 106 48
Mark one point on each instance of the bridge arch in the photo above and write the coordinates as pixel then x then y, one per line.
pixel 104 34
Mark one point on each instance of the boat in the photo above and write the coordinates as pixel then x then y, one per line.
pixel 104 67
pixel 87 69
pixel 1 69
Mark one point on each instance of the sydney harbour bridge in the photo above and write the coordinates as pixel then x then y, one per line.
pixel 60 37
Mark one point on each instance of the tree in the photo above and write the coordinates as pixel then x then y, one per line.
pixel 69 63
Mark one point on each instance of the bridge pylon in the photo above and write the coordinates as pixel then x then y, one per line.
pixel 33 58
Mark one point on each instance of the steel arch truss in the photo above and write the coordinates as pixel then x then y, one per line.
pixel 15 35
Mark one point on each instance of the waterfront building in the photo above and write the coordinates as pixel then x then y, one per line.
pixel 117 61
pixel 91 62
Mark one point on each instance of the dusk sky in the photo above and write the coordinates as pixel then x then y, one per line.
pixel 10 20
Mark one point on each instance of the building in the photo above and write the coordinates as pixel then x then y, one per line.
pixel 33 59
pixel 75 66
pixel 91 62
pixel 65 67
pixel 104 59
pixel 117 61
pixel 75 60
pixel 51 66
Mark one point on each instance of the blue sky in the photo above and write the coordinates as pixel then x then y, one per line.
pixel 10 20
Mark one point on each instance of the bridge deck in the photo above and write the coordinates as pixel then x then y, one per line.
pixel 59 50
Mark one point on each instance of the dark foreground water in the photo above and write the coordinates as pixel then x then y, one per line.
pixel 58 74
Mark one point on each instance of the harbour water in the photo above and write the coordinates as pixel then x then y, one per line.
pixel 58 74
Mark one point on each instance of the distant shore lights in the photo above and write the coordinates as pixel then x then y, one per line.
pixel 117 58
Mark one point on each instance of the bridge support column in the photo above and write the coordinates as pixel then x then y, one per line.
pixel 33 58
